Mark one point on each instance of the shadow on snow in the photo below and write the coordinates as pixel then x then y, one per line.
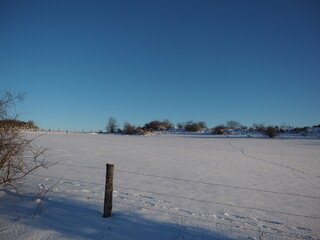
pixel 72 218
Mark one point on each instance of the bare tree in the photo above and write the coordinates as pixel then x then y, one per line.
pixel 8 102
pixel 19 156
pixel 233 125
pixel 112 125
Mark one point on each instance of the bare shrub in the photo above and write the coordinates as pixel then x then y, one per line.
pixel 271 132
pixel 219 130
pixel 233 125
pixel 259 127
pixel 158 125
pixel 302 130
pixel 8 102
pixel 180 125
pixel 132 129
pixel 192 126
pixel 19 156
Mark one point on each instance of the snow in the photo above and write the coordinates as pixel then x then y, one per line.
pixel 169 186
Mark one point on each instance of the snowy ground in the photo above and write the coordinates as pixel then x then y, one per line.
pixel 170 186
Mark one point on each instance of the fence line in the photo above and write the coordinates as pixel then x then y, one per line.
pixel 66 179
pixel 211 221
pixel 182 197
pixel 73 165
pixel 188 217
pixel 66 193
pixel 221 185
pixel 218 203
pixel 194 181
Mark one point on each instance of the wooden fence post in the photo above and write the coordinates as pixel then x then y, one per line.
pixel 107 210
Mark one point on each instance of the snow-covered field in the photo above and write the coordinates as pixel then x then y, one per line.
pixel 169 186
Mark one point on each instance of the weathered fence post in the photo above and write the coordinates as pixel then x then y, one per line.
pixel 107 210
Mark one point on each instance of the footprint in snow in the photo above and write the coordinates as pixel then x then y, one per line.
pixel 302 228
pixel 226 216
pixel 241 217
pixel 123 198
pixel 187 212
pixel 150 204
pixel 144 196
pixel 84 190
pixel 67 182
pixel 269 221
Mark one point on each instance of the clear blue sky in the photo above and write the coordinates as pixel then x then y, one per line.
pixel 83 61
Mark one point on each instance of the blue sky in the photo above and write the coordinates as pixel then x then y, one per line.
pixel 81 62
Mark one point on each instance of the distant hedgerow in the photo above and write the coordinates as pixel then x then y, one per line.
pixel 13 123
pixel 300 129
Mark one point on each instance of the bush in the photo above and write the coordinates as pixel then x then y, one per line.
pixel 158 126
pixel 13 123
pixel 259 127
pixel 180 126
pixel 271 132
pixel 219 130
pixel 191 126
pixel 19 156
pixel 131 129
pixel 300 130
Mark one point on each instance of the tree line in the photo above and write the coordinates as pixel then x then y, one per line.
pixel 201 126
